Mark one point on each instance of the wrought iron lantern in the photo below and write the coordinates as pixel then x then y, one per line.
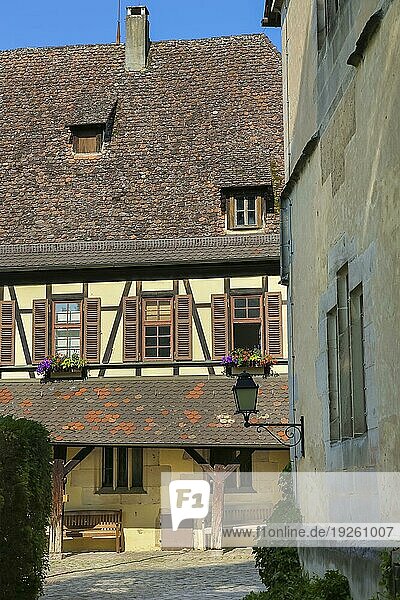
pixel 245 392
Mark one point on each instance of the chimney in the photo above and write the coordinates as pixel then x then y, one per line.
pixel 137 38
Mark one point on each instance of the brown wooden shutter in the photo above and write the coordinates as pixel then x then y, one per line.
pixel 183 327
pixel 7 332
pixel 231 212
pixel 91 332
pixel 131 330
pixel 259 214
pixel 219 319
pixel 273 324
pixel 40 330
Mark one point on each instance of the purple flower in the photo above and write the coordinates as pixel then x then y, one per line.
pixel 44 366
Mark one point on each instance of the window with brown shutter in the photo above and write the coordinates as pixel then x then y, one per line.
pixel 273 324
pixel 183 327
pixel 40 330
pixel 219 319
pixel 131 330
pixel 87 139
pixel 92 330
pixel 7 332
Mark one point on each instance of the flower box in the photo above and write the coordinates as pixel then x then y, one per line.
pixel 250 361
pixel 72 374
pixel 264 370
pixel 60 367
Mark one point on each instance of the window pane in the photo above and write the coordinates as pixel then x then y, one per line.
pixel 151 310
pixel 150 352
pixel 251 217
pixel 151 341
pixel 240 218
pixel 122 462
pixel 240 313
pixel 240 302
pixel 151 331
pixel 61 312
pixel 254 302
pixel 74 313
pixel 240 204
pixel 164 330
pixel 246 335
pixel 108 467
pixel 254 313
pixel 164 352
pixel 251 203
pixel 165 310
pixel 137 467
pixel 67 341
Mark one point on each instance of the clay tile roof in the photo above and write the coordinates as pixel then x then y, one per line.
pixel 204 114
pixel 168 411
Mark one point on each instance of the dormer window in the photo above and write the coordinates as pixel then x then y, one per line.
pixel 246 207
pixel 87 139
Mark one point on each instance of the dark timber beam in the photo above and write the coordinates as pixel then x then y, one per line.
pixel 114 329
pixel 199 327
pixel 21 329
pixel 78 458
pixel 196 456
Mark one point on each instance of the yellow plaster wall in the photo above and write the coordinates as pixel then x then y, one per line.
pixel 141 512
pixel 246 282
pixel 110 294
pixel 67 288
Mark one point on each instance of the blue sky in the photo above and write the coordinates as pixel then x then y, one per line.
pixel 32 23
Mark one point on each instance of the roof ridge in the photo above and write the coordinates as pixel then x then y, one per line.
pixel 157 243
pixel 119 46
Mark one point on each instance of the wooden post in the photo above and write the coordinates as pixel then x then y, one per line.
pixel 218 474
pixel 56 520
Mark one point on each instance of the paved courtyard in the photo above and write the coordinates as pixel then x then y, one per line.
pixel 184 575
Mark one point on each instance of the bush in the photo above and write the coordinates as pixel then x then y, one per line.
pixel 280 568
pixel 25 501
pixel 333 586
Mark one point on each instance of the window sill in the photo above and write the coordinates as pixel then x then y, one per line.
pixel 121 490
pixel 243 230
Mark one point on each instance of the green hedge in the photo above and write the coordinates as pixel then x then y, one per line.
pixel 25 501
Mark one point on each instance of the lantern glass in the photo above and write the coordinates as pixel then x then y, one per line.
pixel 245 392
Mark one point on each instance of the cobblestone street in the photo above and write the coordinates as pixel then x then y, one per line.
pixel 149 576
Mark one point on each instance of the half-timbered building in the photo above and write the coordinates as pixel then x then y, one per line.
pixel 139 230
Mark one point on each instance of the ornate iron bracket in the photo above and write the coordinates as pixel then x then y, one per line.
pixel 294 432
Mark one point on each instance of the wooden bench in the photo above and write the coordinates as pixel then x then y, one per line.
pixel 96 524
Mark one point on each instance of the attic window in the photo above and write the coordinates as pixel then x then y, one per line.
pixel 246 207
pixel 87 139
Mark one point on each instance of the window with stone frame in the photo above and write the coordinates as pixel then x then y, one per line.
pixel 157 332
pixel 87 139
pixel 122 469
pixel 345 344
